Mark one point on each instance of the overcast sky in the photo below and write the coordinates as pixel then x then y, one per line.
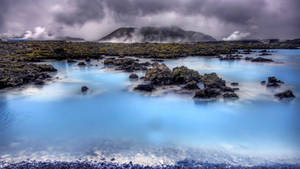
pixel 91 19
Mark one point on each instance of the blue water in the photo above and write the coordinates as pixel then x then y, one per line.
pixel 58 122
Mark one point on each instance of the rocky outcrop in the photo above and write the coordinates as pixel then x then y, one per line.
pixel 126 64
pixel 183 75
pixel 207 93
pixel 145 87
pixel 193 85
pixel 84 89
pixel 13 74
pixel 159 74
pixel 285 94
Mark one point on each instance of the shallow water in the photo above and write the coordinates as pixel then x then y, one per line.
pixel 57 122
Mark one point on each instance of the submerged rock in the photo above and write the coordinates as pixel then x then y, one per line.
pixel 145 87
pixel 285 94
pixel 261 59
pixel 84 89
pixel 133 76
pixel 81 64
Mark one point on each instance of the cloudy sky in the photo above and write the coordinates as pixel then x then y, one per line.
pixel 91 19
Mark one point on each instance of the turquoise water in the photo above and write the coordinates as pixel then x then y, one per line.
pixel 58 122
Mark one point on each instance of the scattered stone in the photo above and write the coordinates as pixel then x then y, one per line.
pixel 285 94
pixel 273 82
pixel 145 87
pixel 234 84
pixel 261 59
pixel 84 89
pixel 133 76
pixel 81 64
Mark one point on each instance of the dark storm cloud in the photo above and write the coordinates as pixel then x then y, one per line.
pixel 261 18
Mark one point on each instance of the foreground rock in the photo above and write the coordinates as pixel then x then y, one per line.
pixel 159 74
pixel 145 87
pixel 84 89
pixel 126 64
pixel 261 59
pixel 285 94
pixel 13 74
pixel 274 82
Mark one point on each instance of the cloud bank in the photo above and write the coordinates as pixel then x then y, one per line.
pixel 93 19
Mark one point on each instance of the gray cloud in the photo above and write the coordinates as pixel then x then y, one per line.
pixel 220 18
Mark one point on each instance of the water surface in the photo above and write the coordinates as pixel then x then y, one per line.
pixel 58 122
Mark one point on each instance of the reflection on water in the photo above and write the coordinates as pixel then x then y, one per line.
pixel 57 122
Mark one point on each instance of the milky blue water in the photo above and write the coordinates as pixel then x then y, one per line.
pixel 58 122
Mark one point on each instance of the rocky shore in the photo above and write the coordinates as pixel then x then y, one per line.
pixel 14 74
pixel 185 164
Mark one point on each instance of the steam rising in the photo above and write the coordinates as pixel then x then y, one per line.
pixel 237 35
pixel 39 33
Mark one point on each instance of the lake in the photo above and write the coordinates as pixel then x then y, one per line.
pixel 58 122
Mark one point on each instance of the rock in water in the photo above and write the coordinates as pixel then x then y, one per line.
pixel 191 85
pixel 207 93
pixel 84 89
pixel 145 87
pixel 261 59
pixel 183 75
pixel 285 94
pixel 81 64
pixel 160 74
pixel 230 96
pixel 274 82
pixel 133 76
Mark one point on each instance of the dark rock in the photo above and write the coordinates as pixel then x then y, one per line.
pixel 274 82
pixel 145 87
pixel 261 59
pixel 249 58
pixel 207 93
pixel 285 94
pixel 84 89
pixel 212 80
pixel 183 75
pixel 230 95
pixel 39 82
pixel 230 57
pixel 69 60
pixel 191 85
pixel 87 59
pixel 160 74
pixel 81 64
pixel 227 89
pixel 47 68
pixel 109 61
pixel 126 64
pixel 263 82
pixel 133 76
pixel 234 84
pixel 265 54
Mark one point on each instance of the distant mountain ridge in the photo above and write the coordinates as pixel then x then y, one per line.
pixel 155 34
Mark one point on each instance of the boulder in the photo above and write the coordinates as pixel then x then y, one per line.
pixel 84 89
pixel 274 82
pixel 212 80
pixel 47 68
pixel 81 64
pixel 285 94
pixel 234 84
pixel 144 87
pixel 207 93
pixel 159 74
pixel 183 75
pixel 191 85
pixel 133 76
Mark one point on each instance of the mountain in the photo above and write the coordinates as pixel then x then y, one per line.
pixel 155 34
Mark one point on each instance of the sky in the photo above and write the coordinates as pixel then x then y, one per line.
pixel 92 19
